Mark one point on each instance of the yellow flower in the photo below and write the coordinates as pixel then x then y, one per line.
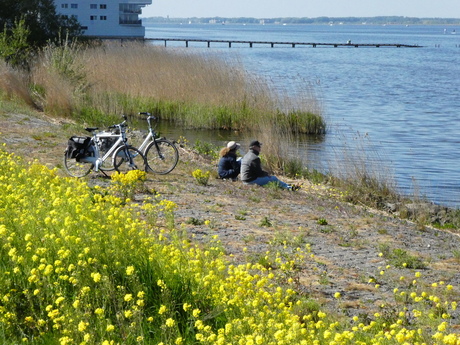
pixel 337 295
pixel 321 314
pixel 162 309
pixel 82 326
pixel 170 322
pixel 129 270
pixel 76 303
pixel 161 284
pixel 96 277
pixel 110 328
pixel 128 297
pixel 442 327
pixel 65 341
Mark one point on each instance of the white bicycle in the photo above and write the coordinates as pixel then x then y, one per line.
pixel 104 151
pixel 161 155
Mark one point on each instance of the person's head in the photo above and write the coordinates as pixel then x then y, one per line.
pixel 255 145
pixel 231 148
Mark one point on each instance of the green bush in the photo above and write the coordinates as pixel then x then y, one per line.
pixel 14 48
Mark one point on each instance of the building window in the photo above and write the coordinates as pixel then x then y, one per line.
pixel 93 6
pixel 64 5
pixel 103 6
pixel 73 5
pixel 103 17
pixel 130 8
pixel 92 17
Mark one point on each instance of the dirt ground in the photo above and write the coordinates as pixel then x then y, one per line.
pixel 345 239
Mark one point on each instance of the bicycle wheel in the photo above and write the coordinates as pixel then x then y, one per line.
pixel 77 169
pixel 161 157
pixel 122 162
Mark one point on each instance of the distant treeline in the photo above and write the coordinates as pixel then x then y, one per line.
pixel 319 20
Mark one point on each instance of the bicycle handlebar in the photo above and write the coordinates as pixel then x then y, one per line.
pixel 122 124
pixel 148 114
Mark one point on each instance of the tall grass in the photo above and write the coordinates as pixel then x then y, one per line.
pixel 193 89
pixel 14 85
pixel 361 170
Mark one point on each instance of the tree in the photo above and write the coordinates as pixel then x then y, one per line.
pixel 14 48
pixel 41 20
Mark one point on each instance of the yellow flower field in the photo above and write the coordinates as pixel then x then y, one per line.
pixel 82 265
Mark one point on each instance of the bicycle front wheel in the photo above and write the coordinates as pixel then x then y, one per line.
pixel 77 168
pixel 161 156
pixel 107 165
pixel 127 158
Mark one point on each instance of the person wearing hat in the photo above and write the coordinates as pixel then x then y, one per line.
pixel 229 165
pixel 251 169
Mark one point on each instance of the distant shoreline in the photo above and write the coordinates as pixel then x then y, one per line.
pixel 384 20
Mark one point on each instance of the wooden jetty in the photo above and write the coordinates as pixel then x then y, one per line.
pixel 273 44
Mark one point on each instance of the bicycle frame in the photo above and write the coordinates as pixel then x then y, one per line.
pixel 163 156
pixel 150 136
pixel 97 160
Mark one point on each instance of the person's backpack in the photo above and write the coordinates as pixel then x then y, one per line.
pixel 78 147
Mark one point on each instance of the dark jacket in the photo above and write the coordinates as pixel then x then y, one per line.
pixel 251 167
pixel 229 167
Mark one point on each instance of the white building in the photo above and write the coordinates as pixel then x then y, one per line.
pixel 106 18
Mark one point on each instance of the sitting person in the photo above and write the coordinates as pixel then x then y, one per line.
pixel 252 172
pixel 229 164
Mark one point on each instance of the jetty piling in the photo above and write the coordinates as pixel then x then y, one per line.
pixel 272 44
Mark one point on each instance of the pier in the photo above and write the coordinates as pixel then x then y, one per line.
pixel 272 44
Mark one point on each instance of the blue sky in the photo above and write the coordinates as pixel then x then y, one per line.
pixel 303 8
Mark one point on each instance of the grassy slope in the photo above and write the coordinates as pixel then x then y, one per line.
pixel 345 239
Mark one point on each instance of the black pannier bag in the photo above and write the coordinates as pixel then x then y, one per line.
pixel 78 147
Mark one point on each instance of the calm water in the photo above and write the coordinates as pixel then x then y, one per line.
pixel 395 107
